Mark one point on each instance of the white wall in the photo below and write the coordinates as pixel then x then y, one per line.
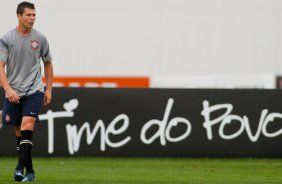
pixel 158 37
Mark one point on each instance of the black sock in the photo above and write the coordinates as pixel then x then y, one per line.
pixel 25 150
pixel 19 166
pixel 18 142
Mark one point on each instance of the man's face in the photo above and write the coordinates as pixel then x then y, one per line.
pixel 27 19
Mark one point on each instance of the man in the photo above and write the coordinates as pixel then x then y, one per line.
pixel 21 51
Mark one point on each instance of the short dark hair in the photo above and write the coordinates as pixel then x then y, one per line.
pixel 23 5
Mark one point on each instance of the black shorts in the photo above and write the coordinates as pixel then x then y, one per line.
pixel 12 113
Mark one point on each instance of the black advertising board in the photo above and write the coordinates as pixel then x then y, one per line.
pixel 111 122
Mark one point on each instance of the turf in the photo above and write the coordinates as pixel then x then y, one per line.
pixel 148 171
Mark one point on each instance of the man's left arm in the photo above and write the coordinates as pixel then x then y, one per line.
pixel 48 72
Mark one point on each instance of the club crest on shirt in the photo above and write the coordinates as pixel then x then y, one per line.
pixel 8 118
pixel 34 44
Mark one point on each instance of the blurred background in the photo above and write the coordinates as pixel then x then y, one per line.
pixel 185 59
pixel 160 43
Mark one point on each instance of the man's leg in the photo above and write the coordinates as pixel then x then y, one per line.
pixel 11 115
pixel 18 138
pixel 30 108
pixel 19 171
pixel 26 144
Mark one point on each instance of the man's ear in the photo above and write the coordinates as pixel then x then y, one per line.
pixel 18 16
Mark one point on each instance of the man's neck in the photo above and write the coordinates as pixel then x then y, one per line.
pixel 23 31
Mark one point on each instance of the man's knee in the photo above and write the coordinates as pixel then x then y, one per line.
pixel 28 123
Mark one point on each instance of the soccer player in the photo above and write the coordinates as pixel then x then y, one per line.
pixel 21 51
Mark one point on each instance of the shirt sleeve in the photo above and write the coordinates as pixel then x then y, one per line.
pixel 3 50
pixel 45 51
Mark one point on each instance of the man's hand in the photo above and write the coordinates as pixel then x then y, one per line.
pixel 47 97
pixel 12 96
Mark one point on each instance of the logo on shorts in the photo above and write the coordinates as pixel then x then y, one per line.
pixel 34 44
pixel 8 118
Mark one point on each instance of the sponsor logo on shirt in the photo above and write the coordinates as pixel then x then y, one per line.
pixel 34 44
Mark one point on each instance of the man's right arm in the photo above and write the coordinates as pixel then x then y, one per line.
pixel 10 93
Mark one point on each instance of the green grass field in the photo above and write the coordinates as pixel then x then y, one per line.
pixel 148 171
